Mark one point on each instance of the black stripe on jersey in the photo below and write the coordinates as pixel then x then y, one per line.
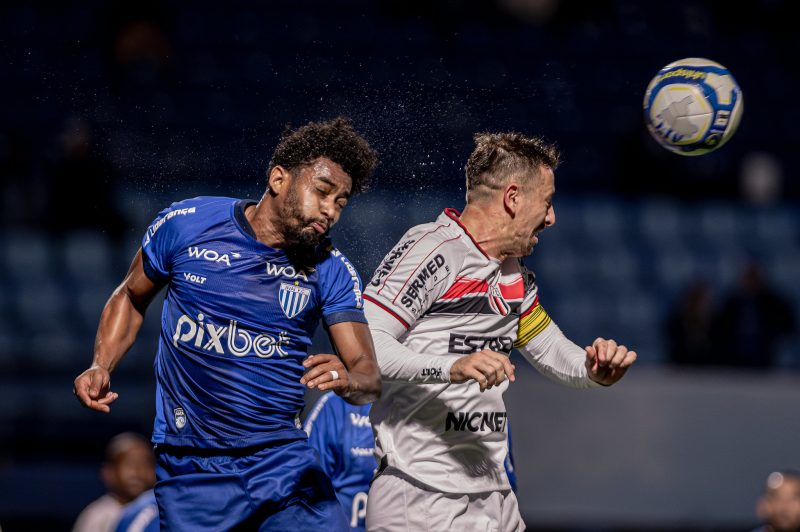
pixel 471 305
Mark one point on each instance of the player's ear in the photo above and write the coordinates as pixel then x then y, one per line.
pixel 278 179
pixel 511 199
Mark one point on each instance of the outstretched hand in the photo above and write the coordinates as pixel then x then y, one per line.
pixel 92 388
pixel 488 368
pixel 607 362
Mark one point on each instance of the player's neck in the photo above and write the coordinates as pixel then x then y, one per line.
pixel 265 227
pixel 486 229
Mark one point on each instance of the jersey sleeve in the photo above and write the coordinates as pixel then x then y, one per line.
pixel 322 427
pixel 533 319
pixel 342 294
pixel 164 238
pixel 414 274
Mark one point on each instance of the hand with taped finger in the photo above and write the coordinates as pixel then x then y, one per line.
pixel 607 362
pixel 326 372
pixel 488 368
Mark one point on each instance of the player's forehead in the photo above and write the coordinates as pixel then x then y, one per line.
pixel 324 171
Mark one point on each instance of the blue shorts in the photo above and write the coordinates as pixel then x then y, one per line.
pixel 281 487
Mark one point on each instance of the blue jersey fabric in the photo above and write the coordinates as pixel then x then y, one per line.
pixel 342 436
pixel 141 515
pixel 236 324
pixel 278 488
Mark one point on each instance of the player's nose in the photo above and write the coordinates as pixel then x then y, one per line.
pixel 550 218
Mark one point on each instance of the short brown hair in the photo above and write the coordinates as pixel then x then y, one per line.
pixel 497 156
pixel 335 139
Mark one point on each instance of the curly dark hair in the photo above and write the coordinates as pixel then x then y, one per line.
pixel 497 156
pixel 335 139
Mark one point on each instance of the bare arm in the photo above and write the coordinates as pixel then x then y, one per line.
pixel 359 380
pixel 120 321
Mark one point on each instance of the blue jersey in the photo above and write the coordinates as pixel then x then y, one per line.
pixel 141 515
pixel 236 324
pixel 342 436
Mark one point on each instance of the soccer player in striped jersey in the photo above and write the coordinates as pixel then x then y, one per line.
pixel 341 434
pixel 247 284
pixel 445 308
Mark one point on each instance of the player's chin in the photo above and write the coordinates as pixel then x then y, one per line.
pixel 310 237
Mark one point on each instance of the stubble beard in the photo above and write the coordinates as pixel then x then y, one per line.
pixel 295 227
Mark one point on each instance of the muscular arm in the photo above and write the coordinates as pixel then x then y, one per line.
pixel 353 344
pixel 358 381
pixel 120 321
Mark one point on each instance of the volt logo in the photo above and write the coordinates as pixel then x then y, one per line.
pixel 227 339
pixel 212 255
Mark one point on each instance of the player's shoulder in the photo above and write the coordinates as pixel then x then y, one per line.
pixel 331 259
pixel 444 230
pixel 194 214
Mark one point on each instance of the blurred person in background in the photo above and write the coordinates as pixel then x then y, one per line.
pixel 690 327
pixel 779 505
pixel 140 515
pixel 446 307
pixel 248 283
pixel 128 470
pixel 341 434
pixel 752 320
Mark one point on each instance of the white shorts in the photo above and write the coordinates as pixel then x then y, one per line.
pixel 396 504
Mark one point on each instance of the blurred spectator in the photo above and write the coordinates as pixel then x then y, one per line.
pixel 779 506
pixel 689 327
pixel 81 181
pixel 752 320
pixel 761 178
pixel 141 515
pixel 128 470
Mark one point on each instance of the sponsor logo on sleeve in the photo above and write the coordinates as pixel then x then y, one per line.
pixel 353 275
pixel 158 223
pixel 389 261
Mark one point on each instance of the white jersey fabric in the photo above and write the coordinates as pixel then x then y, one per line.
pixel 442 297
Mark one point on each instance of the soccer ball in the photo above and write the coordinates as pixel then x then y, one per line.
pixel 693 106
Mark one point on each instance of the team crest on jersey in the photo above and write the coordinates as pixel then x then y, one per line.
pixel 497 302
pixel 293 299
pixel 180 418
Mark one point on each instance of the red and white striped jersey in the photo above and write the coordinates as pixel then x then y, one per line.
pixel 452 300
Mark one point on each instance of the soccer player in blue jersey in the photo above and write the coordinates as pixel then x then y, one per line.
pixel 247 284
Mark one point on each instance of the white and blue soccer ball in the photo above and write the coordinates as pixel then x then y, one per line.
pixel 693 106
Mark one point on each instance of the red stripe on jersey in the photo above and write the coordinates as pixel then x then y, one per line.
pixel 513 290
pixel 535 302
pixel 466 285
pixel 385 279
pixel 456 217
pixel 422 265
pixel 387 309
